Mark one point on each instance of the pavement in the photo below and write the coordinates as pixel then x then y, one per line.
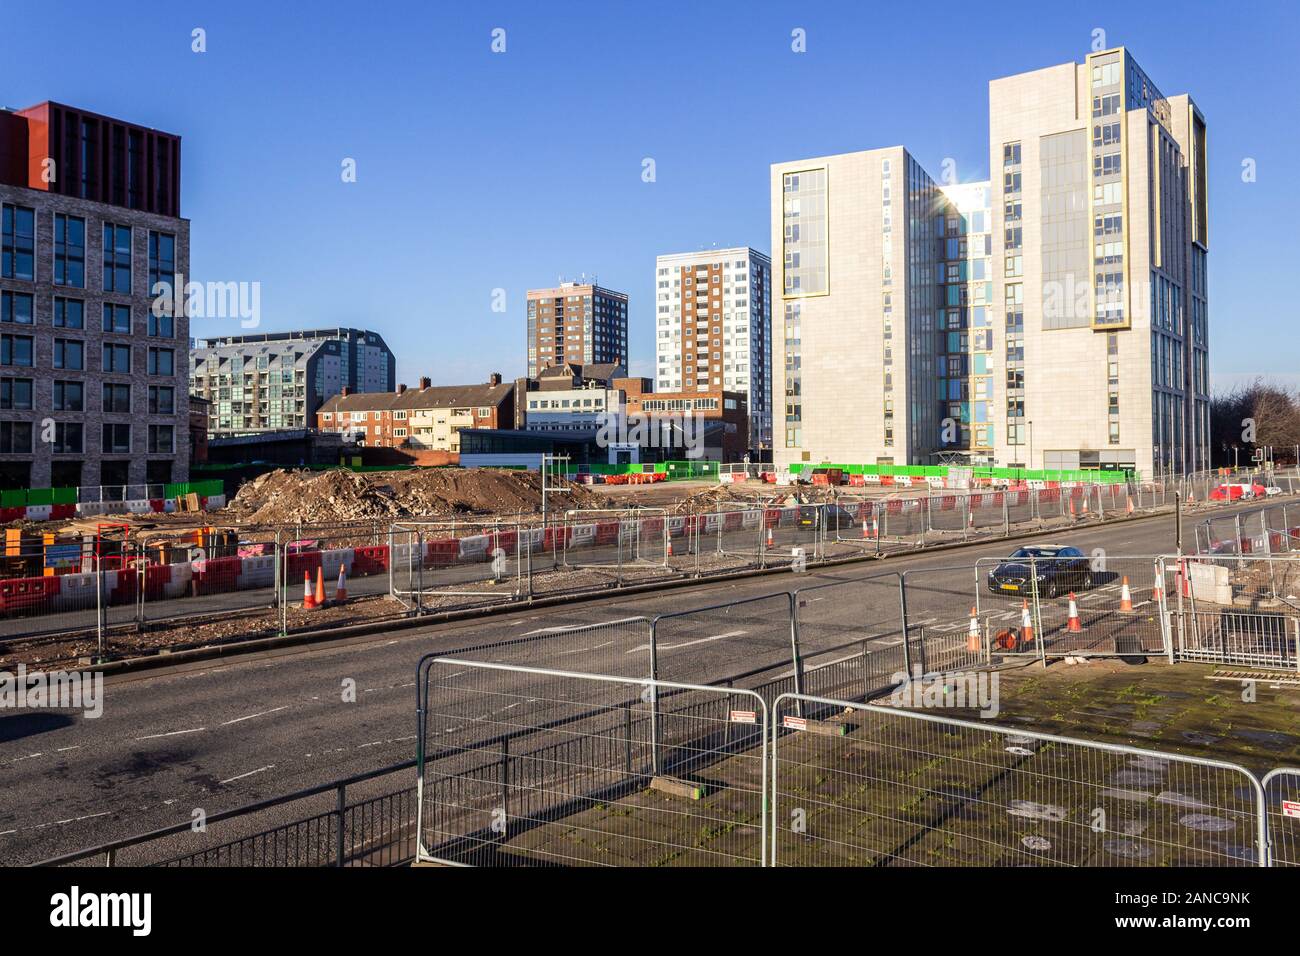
pixel 213 736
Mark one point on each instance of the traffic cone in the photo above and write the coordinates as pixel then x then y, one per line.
pixel 1125 596
pixel 308 601
pixel 1026 624
pixel 770 540
pixel 670 547
pixel 1157 589
pixel 1075 625
pixel 1072 507
pixel 1191 496
pixel 973 633
pixel 341 592
pixel 320 588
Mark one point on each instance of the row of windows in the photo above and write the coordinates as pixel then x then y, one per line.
pixel 19 350
pixel 18 251
pixel 68 438
pixel 17 394
pixel 18 308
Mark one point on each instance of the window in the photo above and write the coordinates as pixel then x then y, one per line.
pixel 162 400
pixel 117 318
pixel 69 251
pixel 69 397
pixel 69 354
pixel 161 362
pixel 69 314
pixel 117 398
pixel 162 261
pixel 117 358
pixel 16 307
pixel 116 439
pixel 16 350
pixel 16 394
pixel 17 242
pixel 117 258
pixel 16 438
pixel 164 326
pixel 161 439
pixel 68 438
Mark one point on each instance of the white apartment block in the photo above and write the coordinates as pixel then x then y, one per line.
pixel 1054 317
pixel 855 336
pixel 713 322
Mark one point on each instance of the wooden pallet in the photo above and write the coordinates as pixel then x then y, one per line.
pixel 1273 678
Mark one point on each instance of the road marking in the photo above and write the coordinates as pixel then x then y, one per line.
pixel 174 733
pixel 249 774
pixel 251 716
pixel 702 640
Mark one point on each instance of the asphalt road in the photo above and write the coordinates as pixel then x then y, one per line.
pixel 219 735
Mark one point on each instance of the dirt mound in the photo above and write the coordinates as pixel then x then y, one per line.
pixel 280 497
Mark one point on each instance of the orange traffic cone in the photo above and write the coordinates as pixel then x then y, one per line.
pixel 1026 624
pixel 308 601
pixel 320 588
pixel 1075 625
pixel 670 547
pixel 1125 596
pixel 1157 589
pixel 875 529
pixel 769 536
pixel 341 592
pixel 973 633
pixel 1191 496
pixel 1071 507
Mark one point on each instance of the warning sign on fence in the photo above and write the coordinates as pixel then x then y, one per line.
pixel 1291 808
pixel 744 716
pixel 790 722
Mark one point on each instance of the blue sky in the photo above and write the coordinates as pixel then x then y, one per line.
pixel 478 171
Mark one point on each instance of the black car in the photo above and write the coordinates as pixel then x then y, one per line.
pixel 1057 568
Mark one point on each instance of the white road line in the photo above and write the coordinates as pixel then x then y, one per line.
pixel 249 774
pixel 174 733
pixel 251 716
pixel 702 640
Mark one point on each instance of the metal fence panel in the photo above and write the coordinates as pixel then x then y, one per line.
pixel 868 785
pixel 737 641
pixel 1282 805
pixel 527 767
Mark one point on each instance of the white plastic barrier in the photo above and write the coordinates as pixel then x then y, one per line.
pixel 676 525
pixel 138 506
pixel 38 512
pixel 331 561
pixel 76 592
pixel 178 584
pixel 473 548
pixel 258 572
pixel 751 519
pixel 216 501
pixel 582 535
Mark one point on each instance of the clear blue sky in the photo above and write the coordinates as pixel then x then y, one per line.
pixel 479 170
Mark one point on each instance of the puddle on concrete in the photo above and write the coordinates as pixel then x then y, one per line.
pixel 1036 811
pixel 1206 822
pixel 1127 849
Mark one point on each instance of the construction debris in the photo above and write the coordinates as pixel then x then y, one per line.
pixel 285 497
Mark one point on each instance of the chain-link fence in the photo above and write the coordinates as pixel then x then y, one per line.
pixel 862 785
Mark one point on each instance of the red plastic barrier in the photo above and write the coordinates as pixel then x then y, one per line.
pixel 12 514
pixel 507 541
pixel 371 560
pixel 555 538
pixel 442 551
pixel 771 517
pixel 59 512
pixel 23 594
pixel 296 564
pixel 732 520
pixel 606 532
pixel 217 575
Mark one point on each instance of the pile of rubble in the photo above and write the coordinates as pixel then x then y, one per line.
pixel 286 497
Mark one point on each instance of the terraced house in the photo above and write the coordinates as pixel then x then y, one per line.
pixel 425 422
pixel 92 381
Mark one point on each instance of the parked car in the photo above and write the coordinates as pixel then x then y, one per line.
pixel 1058 568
